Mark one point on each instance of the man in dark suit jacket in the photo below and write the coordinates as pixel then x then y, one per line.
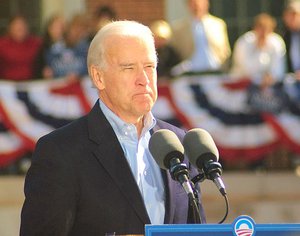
pixel 82 180
pixel 291 35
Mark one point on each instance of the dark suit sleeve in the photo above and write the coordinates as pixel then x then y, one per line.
pixel 50 196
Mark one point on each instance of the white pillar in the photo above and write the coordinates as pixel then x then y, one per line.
pixel 66 8
pixel 73 6
pixel 175 9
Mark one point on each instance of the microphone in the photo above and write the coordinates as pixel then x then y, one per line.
pixel 167 151
pixel 203 153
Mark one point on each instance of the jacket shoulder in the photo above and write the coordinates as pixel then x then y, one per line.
pixel 67 133
pixel 160 124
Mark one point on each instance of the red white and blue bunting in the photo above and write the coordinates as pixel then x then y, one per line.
pixel 213 102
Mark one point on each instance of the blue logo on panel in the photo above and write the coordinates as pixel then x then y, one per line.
pixel 244 226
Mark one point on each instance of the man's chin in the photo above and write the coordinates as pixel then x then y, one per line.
pixel 144 108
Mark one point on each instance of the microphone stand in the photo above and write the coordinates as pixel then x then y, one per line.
pixel 198 178
pixel 195 204
pixel 180 173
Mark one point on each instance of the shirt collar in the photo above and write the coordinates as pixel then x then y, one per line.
pixel 120 126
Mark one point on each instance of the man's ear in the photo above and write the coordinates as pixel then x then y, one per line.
pixel 97 77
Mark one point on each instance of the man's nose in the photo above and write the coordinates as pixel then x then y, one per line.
pixel 143 77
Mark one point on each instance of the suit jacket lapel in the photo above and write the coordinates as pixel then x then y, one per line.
pixel 111 156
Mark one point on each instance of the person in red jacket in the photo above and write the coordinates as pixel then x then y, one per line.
pixel 18 51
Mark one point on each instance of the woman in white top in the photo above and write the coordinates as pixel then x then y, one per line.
pixel 260 53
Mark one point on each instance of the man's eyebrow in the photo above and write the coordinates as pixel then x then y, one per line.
pixel 129 64
pixel 126 64
pixel 150 63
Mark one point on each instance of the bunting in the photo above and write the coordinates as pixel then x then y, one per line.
pixel 29 110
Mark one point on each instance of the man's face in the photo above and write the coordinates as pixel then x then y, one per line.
pixel 199 8
pixel 18 29
pixel 129 81
pixel 291 19
pixel 262 31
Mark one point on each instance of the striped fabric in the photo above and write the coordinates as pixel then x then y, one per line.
pixel 213 102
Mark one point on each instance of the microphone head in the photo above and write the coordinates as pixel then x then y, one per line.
pixel 200 147
pixel 165 145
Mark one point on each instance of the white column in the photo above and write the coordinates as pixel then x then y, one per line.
pixel 175 9
pixel 65 7
pixel 73 7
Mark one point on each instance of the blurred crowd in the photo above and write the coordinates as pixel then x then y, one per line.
pixel 196 44
pixel 60 52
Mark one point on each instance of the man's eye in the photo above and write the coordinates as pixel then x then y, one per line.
pixel 128 68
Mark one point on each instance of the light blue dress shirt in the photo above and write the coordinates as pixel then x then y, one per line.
pixel 144 168
pixel 203 59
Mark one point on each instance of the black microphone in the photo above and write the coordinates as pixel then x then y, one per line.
pixel 203 153
pixel 167 151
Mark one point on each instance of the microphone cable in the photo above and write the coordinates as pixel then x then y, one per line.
pixel 227 209
pixel 200 178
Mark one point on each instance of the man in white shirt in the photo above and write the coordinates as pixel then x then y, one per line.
pixel 259 54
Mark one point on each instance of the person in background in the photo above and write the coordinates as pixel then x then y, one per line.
pixel 259 54
pixel 67 58
pixel 18 51
pixel 103 15
pixel 291 36
pixel 167 55
pixel 96 175
pixel 201 40
pixel 54 34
